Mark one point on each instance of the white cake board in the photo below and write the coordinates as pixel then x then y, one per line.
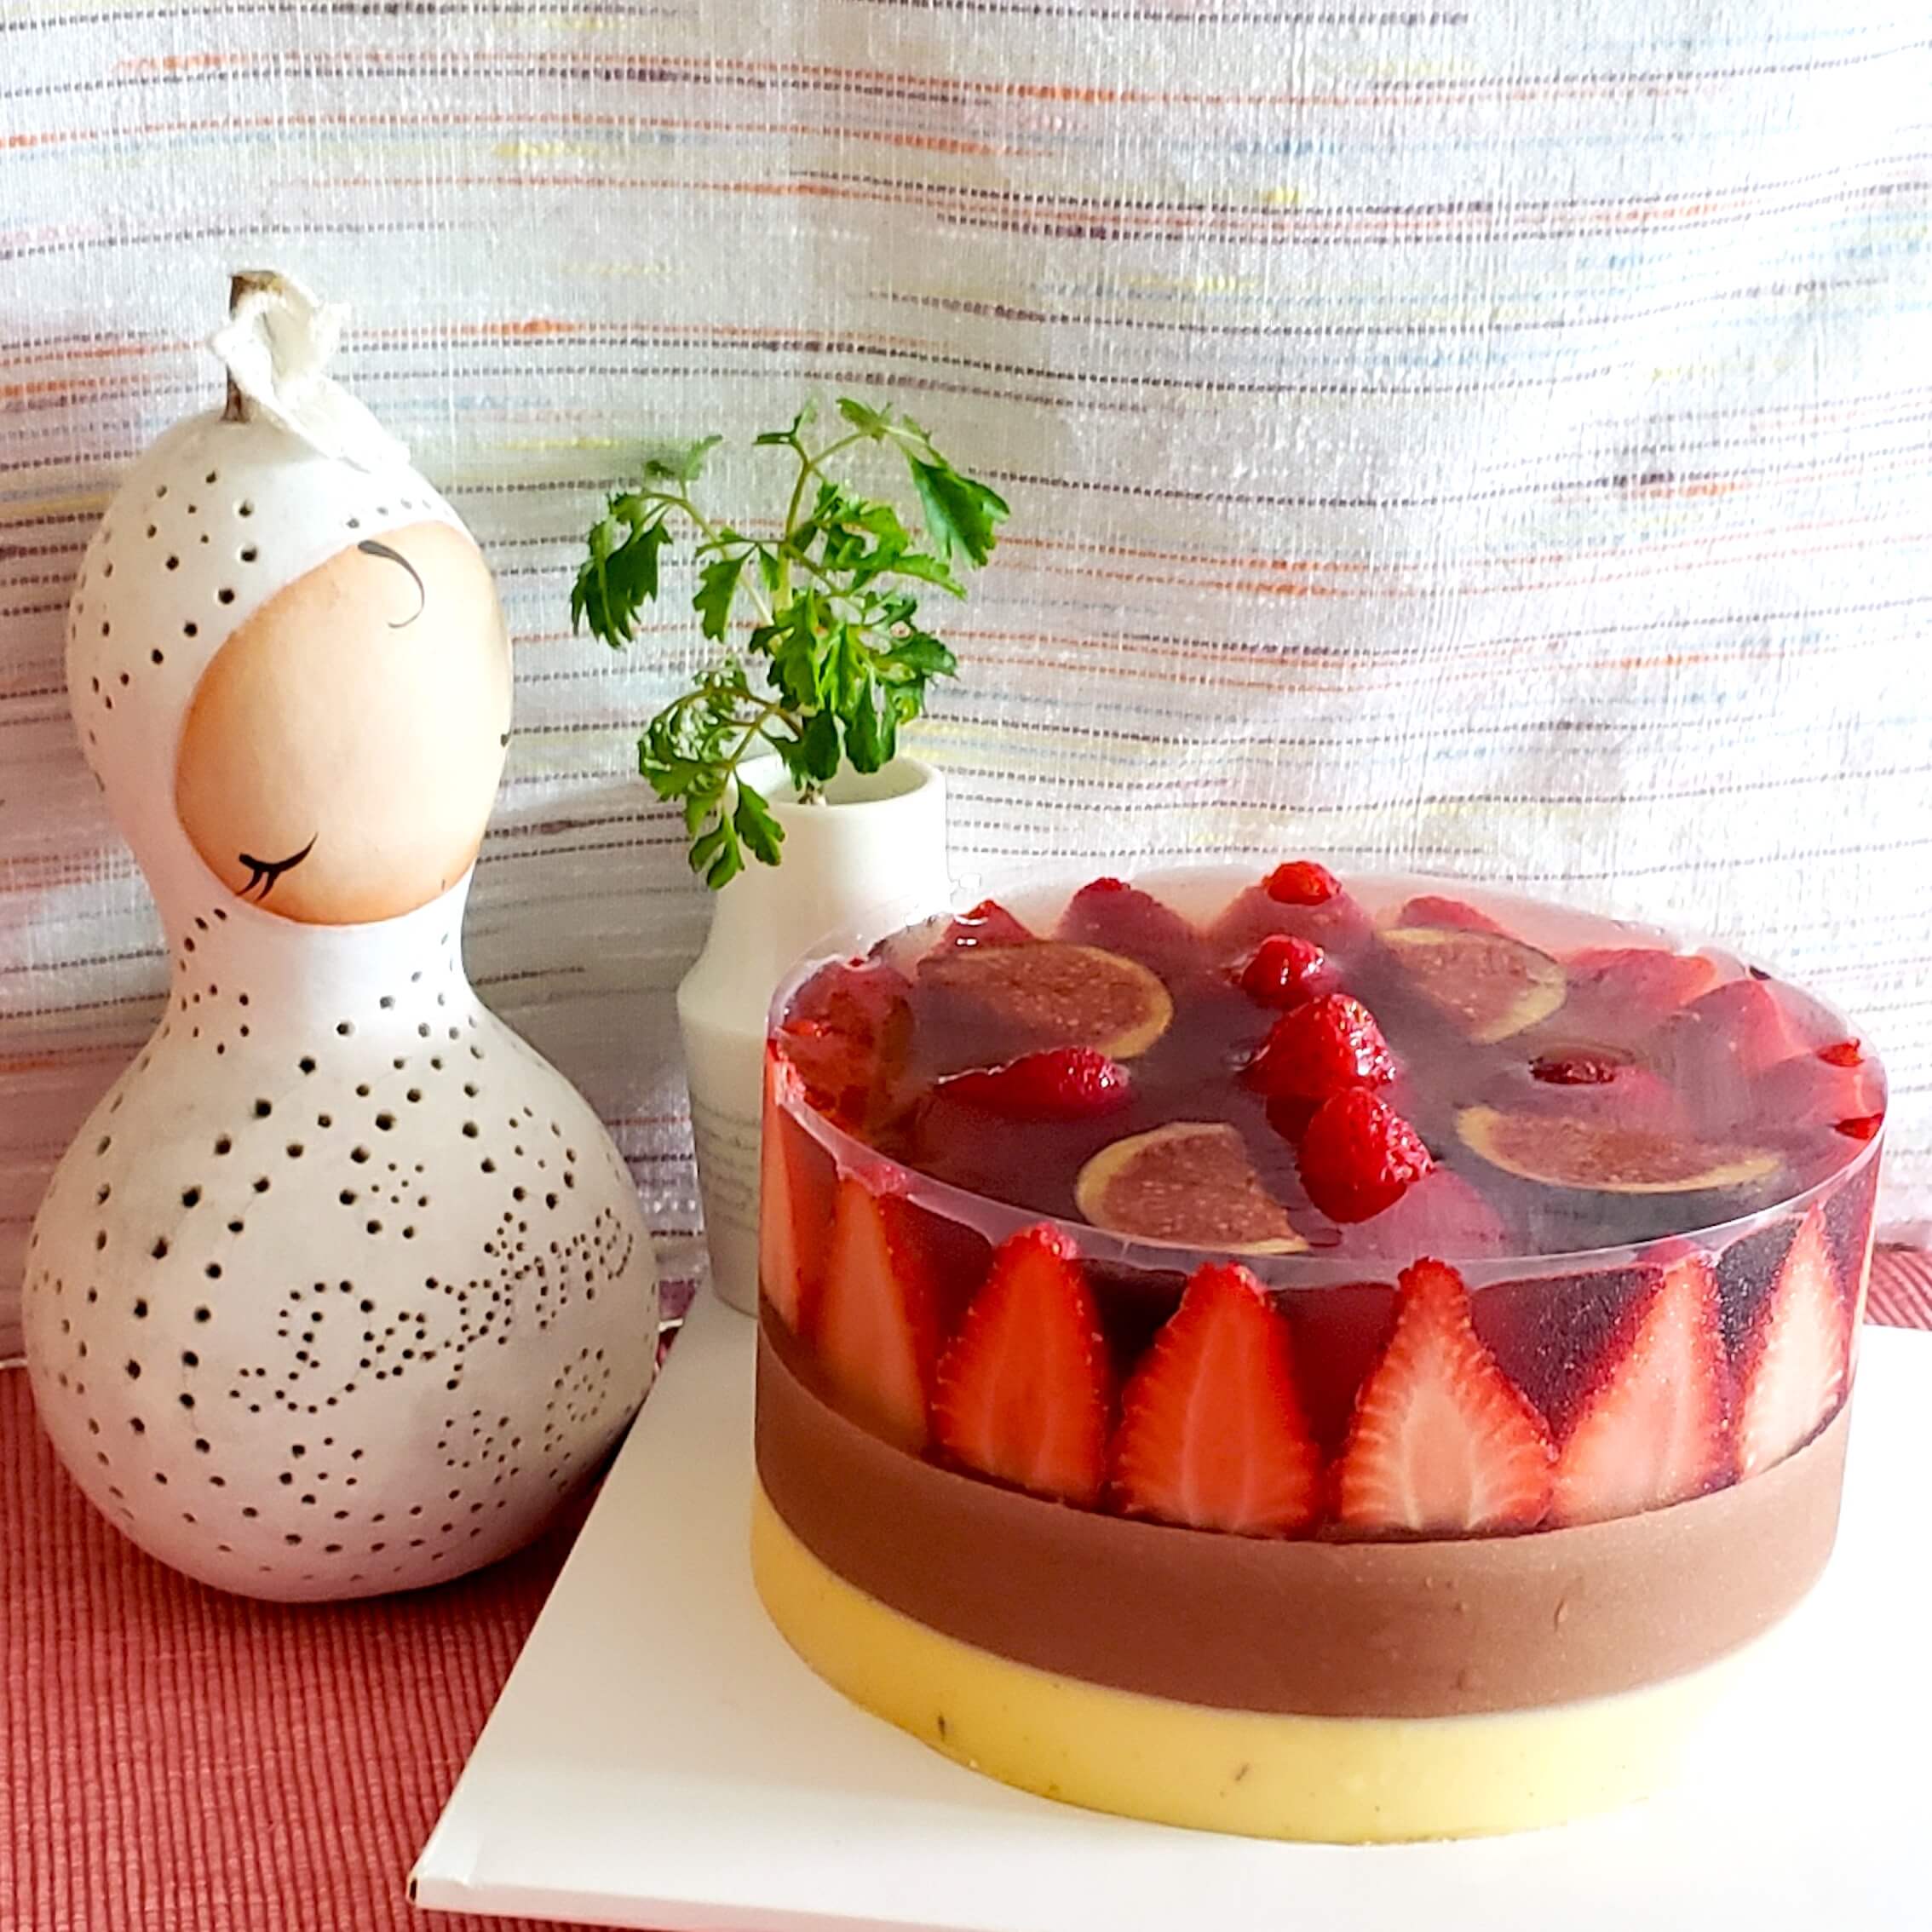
pixel 660 1758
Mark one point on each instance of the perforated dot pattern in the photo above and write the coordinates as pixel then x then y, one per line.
pixel 340 1305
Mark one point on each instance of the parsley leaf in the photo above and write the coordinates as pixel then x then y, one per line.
pixel 962 516
pixel 717 590
pixel 837 660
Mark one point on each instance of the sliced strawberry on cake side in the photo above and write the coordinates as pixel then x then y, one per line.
pixel 797 1183
pixel 1212 1432
pixel 1025 1391
pixel 877 1333
pixel 1655 1425
pixel 1441 1442
pixel 1792 1368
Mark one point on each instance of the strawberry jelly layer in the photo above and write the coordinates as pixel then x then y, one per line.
pixel 1441 1628
pixel 1711 1055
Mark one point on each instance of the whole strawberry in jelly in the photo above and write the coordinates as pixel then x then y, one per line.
pixel 1359 1156
pixel 1319 1048
pixel 1285 970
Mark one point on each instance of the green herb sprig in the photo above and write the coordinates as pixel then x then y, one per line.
pixel 840 658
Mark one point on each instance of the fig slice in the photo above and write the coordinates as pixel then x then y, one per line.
pixel 1490 984
pixel 1598 1154
pixel 1047 992
pixel 1191 1183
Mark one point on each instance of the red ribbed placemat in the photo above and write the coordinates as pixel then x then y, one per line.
pixel 176 1758
pixel 181 1760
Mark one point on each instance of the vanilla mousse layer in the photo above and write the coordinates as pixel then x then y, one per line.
pixel 1218 1625
pixel 1340 1780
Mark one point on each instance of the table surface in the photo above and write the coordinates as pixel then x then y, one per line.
pixel 170 1757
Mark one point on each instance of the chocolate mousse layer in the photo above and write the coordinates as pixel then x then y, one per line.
pixel 1341 1629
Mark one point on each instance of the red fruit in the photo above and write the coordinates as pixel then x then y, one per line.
pixel 1441 1214
pixel 1864 1128
pixel 1842 1053
pixel 1640 982
pixel 1595 1086
pixel 1285 971
pixel 1025 1390
pixel 1749 1025
pixel 1817 1090
pixel 1212 1432
pixel 1319 1048
pixel 1060 1084
pixel 858 998
pixel 847 1031
pixel 1655 1426
pixel 1429 909
pixel 1119 917
pixel 988 923
pixel 1301 883
pixel 1359 1156
pixel 1442 1443
pixel 877 1334
pixel 1792 1368
pixel 1578 1069
pixel 796 1181
pixel 1336 924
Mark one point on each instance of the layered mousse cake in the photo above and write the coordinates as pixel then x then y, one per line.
pixel 1339 1359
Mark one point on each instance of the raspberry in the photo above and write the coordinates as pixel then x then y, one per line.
pixel 1319 1048
pixel 1285 971
pixel 1842 1053
pixel 1301 882
pixel 1359 1156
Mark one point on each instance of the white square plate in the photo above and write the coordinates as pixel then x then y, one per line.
pixel 660 1758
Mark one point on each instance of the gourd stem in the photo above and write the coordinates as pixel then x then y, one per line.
pixel 243 282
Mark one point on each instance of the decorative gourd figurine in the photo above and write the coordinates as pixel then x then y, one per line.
pixel 342 1288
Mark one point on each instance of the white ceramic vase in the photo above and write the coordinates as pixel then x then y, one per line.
pixel 342 1288
pixel 876 840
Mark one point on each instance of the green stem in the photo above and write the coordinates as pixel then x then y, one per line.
pixel 754 729
pixel 714 536
pixel 809 466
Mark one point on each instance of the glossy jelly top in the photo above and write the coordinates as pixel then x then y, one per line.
pixel 1300 1071
pixel 1284 1206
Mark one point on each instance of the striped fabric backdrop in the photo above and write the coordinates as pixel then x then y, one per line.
pixel 1490 437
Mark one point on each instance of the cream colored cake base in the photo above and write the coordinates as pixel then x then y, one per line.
pixel 1341 1780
